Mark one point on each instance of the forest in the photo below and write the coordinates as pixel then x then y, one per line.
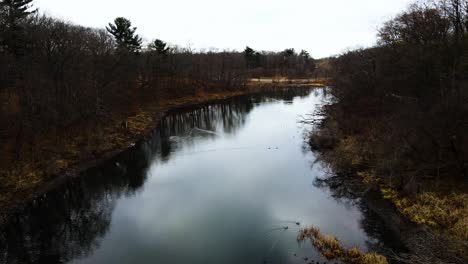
pixel 64 87
pixel 399 116
pixel 396 115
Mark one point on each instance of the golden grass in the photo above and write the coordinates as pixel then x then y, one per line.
pixel 331 248
pixel 283 81
pixel 443 212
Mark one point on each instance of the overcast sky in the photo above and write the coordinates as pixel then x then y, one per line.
pixel 323 27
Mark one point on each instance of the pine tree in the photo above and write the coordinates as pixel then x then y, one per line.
pixel 289 52
pixel 12 16
pixel 159 46
pixel 13 11
pixel 304 54
pixel 252 57
pixel 249 52
pixel 124 34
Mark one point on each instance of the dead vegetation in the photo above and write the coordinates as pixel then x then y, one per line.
pixel 447 214
pixel 440 205
pixel 331 248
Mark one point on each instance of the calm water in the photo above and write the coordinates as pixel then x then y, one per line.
pixel 216 184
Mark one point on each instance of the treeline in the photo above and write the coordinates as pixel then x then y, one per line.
pixel 287 63
pixel 55 75
pixel 403 104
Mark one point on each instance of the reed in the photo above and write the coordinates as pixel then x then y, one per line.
pixel 332 249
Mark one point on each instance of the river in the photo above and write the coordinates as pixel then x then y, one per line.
pixel 228 182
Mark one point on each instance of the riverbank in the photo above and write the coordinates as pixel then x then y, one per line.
pixel 281 81
pixel 75 150
pixel 430 220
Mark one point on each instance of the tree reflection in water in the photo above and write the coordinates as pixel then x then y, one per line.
pixel 69 222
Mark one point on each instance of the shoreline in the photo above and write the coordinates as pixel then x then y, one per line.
pixel 418 244
pixel 17 199
pixel 423 244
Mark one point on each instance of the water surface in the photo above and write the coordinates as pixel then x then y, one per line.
pixel 222 183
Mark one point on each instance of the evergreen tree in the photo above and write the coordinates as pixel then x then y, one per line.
pixel 159 46
pixel 249 52
pixel 307 60
pixel 252 57
pixel 289 52
pixel 305 55
pixel 12 16
pixel 124 34
pixel 13 11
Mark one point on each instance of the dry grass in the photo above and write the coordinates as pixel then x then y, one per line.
pixel 444 212
pixel 331 248
pixel 442 207
pixel 447 213
pixel 283 81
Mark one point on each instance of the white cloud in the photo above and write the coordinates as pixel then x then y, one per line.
pixel 323 27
